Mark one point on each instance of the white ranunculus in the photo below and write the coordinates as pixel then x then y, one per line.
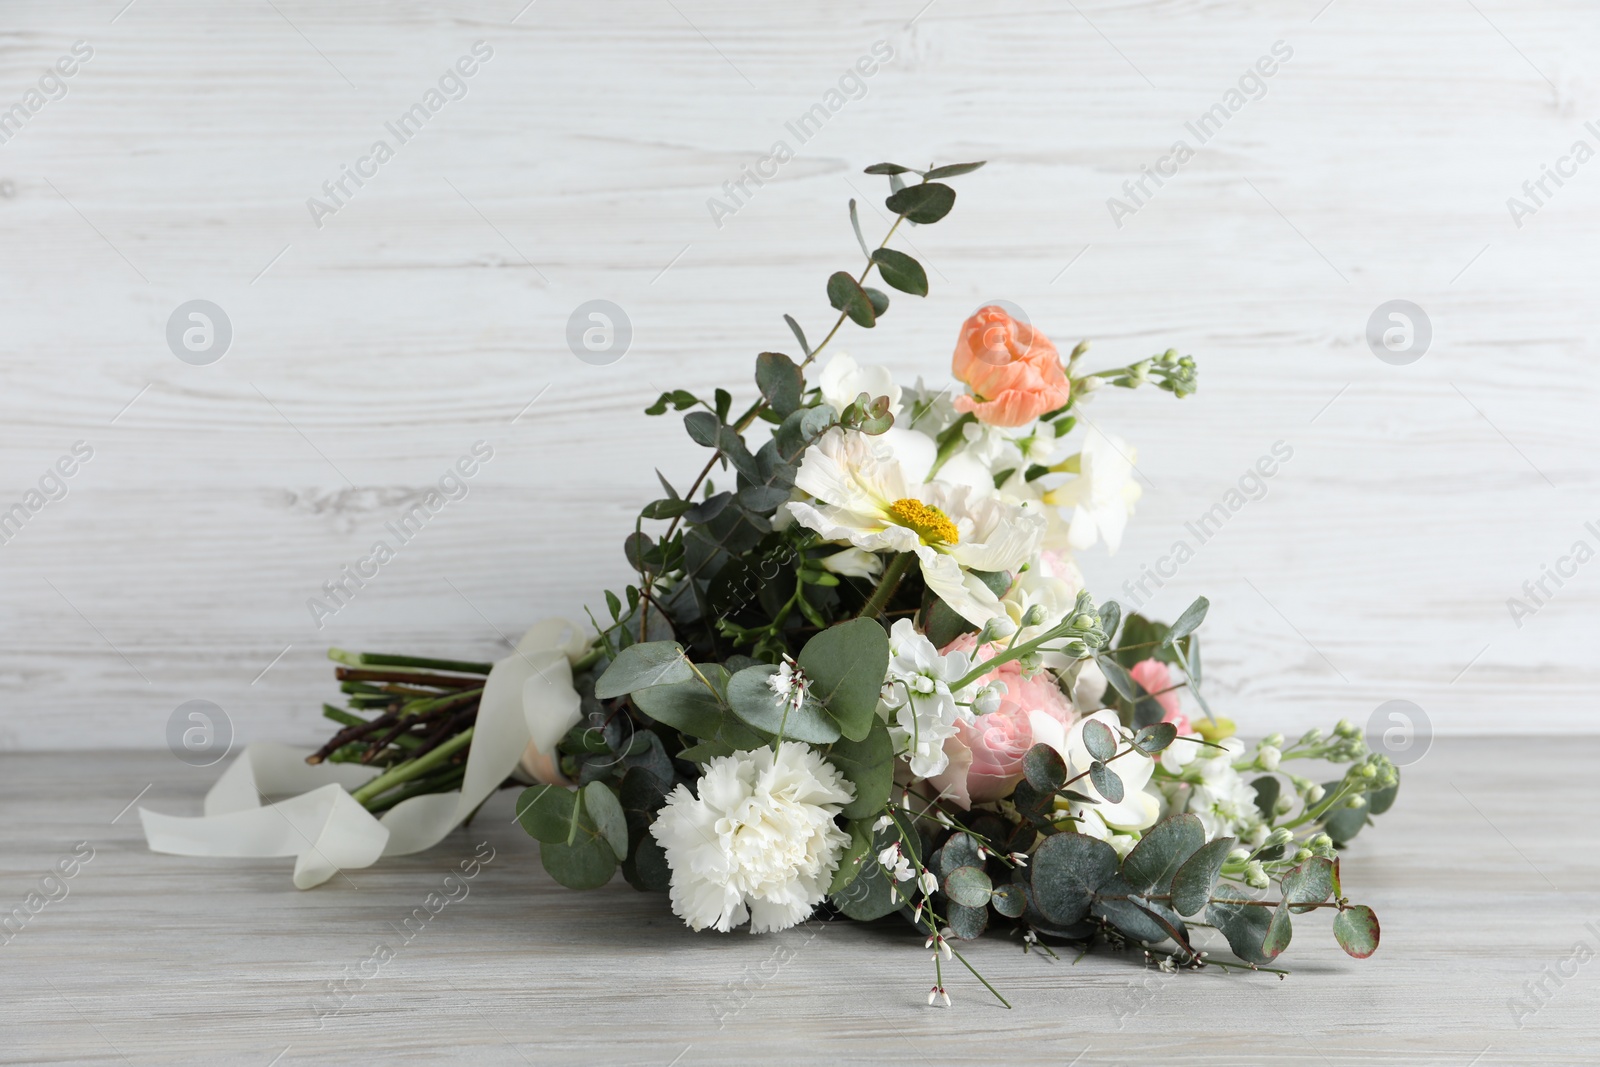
pixel 918 703
pixel 1102 495
pixel 1138 808
pixel 864 498
pixel 759 843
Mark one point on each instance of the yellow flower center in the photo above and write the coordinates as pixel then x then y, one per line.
pixel 931 524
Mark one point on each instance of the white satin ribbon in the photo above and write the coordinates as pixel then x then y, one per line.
pixel 528 705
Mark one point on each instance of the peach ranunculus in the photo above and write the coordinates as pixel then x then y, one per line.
pixel 1012 368
pixel 986 753
pixel 1156 676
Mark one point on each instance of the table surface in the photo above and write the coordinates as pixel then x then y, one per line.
pixel 1484 876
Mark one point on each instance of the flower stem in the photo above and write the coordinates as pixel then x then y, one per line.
pixel 892 575
pixel 416 768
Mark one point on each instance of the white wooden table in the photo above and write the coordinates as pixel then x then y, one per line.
pixel 1484 874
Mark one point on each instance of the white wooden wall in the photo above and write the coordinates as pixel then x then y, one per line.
pixel 372 352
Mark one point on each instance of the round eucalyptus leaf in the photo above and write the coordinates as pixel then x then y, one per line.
pixel 1067 870
pixel 1044 768
pixel 1099 740
pixel 1357 931
pixel 969 886
pixel 1010 900
pixel 1106 782
pixel 1192 884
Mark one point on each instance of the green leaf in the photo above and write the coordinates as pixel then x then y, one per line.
pixel 966 923
pixel 1267 788
pixel 1068 869
pixel 601 804
pixel 1150 867
pixel 1279 931
pixel 1356 930
pixel 648 871
pixel 1191 663
pixel 1099 740
pixel 546 811
pixel 780 382
pixel 941 625
pixel 961 850
pixel 704 428
pixel 888 168
pixel 869 765
pixel 901 271
pixel 587 863
pixel 1244 925
pixel 1110 615
pixel 688 707
pixel 1192 884
pixel 924 203
pixel 1155 738
pixel 1189 621
pixel 853 856
pixel 1044 768
pixel 1342 823
pixel 754 701
pixel 641 666
pixel 952 170
pixel 868 897
pixel 614 605
pixel 1309 883
pixel 855 224
pixel 1010 900
pixel 845 294
pixel 1120 680
pixel 845 665
pixel 1106 782
pixel 799 334
pixel 879 300
pixel 1381 800
pixel 666 509
pixel 1136 917
pixel 969 886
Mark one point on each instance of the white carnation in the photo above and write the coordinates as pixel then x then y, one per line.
pixel 759 843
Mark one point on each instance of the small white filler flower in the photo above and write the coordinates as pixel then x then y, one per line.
pixel 759 843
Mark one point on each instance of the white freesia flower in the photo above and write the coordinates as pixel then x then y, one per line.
pixel 918 703
pixel 1102 495
pixel 1138 808
pixel 759 843
pixel 865 499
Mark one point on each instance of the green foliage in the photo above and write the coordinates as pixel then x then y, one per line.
pixel 1044 768
pixel 1356 930
pixel 1099 740
pixel 869 765
pixel 780 381
pixel 606 811
pixel 1067 871
pixel 572 846
pixel 1242 923
pixel 846 664
pixel 1107 782
pixel 1195 879
pixel 901 271
pixel 1163 850
pixel 755 702
pixel 1309 883
pixel 969 886
pixel 925 203
pixel 845 294
pixel 641 666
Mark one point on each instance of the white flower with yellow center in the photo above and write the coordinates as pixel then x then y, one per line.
pixel 864 498
pixel 760 841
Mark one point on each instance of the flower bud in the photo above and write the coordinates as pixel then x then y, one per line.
pixel 1034 616
pixel 997 629
pixel 1275 740
pixel 1089 384
pixel 1281 836
pixel 1346 728
pixel 1030 661
pixel 1238 855
pixel 1255 875
pixel 1315 794
pixel 1321 841
pixel 1301 855
pixel 1075 649
pixel 1312 737
pixel 1368 771
pixel 1356 802
pixel 1085 621
pixel 987 702
pixel 1267 758
pixel 1282 806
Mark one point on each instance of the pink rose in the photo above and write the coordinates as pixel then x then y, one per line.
pixel 1012 368
pixel 986 753
pixel 1156 676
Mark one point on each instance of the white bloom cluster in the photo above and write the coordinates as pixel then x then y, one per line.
pixel 918 703
pixel 760 841
pixel 1222 800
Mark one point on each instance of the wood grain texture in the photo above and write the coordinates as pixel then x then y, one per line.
pixel 164 959
pixel 425 315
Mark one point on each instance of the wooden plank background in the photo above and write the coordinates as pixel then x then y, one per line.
pixel 368 354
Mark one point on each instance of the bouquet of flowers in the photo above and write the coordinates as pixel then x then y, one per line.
pixel 855 668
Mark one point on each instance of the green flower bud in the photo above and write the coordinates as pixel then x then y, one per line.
pixel 1315 794
pixel 1255 875
pixel 1034 616
pixel 1321 841
pixel 1303 854
pixel 1267 758
pixel 1238 855
pixel 1281 836
pixel 1275 740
